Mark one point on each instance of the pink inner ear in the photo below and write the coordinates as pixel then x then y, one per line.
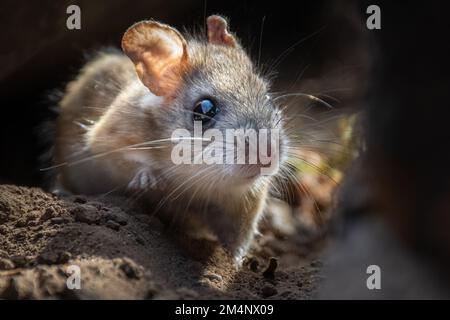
pixel 218 32
pixel 159 53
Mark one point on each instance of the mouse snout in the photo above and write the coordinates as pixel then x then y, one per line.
pixel 257 151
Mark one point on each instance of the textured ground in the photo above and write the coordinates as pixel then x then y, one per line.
pixel 124 253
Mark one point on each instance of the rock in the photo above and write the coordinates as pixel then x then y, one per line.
pixel 86 214
pixel 117 218
pixel 112 225
pixel 268 291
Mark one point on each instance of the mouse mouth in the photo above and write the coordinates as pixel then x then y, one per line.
pixel 248 172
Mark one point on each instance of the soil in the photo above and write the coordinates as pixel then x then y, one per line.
pixel 125 253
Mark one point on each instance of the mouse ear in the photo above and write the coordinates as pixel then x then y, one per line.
pixel 159 53
pixel 218 31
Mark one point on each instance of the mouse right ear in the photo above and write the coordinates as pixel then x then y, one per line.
pixel 159 53
pixel 218 32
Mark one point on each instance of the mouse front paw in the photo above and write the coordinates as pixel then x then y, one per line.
pixel 144 179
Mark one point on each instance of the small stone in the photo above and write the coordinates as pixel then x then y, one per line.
pixel 6 264
pixel 86 214
pixel 113 225
pixel 268 291
pixel 34 214
pixel 117 218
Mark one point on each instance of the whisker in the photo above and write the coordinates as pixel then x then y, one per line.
pixel 300 94
pixel 129 147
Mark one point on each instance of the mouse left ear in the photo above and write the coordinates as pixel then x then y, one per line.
pixel 159 53
pixel 218 32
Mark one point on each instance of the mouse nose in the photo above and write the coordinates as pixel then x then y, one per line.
pixel 254 146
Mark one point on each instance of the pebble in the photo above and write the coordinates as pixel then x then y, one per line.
pixel 113 225
pixel 86 214
pixel 117 218
pixel 268 291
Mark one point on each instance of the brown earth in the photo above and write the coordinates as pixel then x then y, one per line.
pixel 125 253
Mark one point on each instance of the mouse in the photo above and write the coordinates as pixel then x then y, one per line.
pixel 116 119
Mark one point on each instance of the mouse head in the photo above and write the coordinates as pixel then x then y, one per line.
pixel 209 81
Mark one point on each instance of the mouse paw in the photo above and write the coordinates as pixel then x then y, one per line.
pixel 144 179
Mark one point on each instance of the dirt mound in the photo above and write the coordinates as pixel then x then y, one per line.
pixel 124 253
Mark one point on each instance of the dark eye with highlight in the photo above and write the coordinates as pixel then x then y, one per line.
pixel 204 110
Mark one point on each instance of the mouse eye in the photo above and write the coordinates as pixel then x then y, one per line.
pixel 205 110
